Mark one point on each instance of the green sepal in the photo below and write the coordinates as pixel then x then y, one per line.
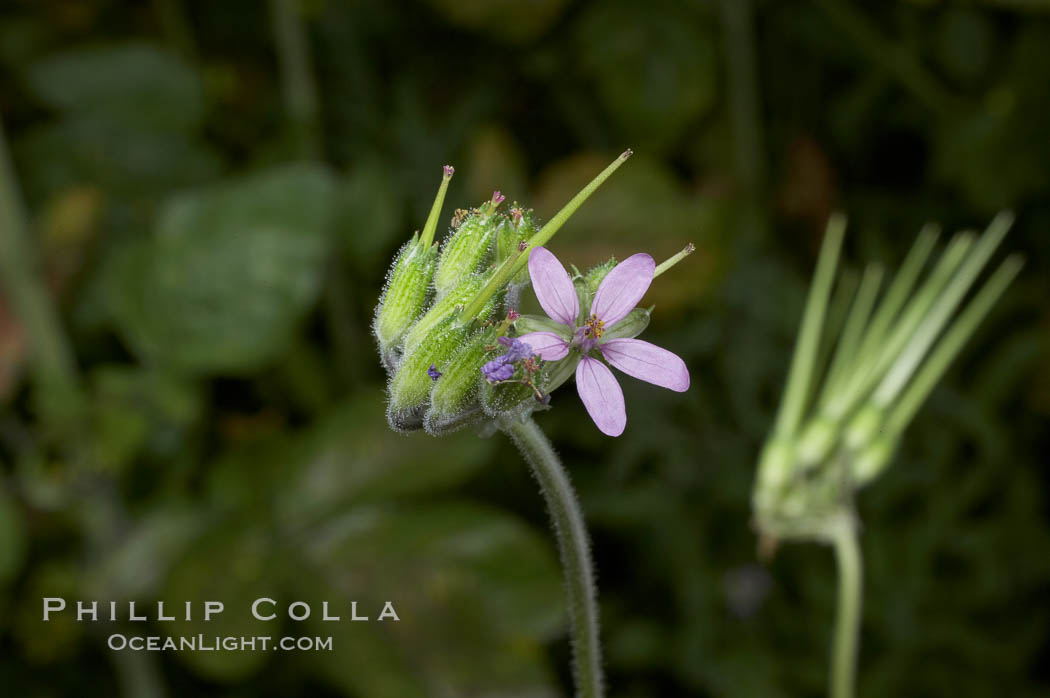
pixel 535 323
pixel 631 326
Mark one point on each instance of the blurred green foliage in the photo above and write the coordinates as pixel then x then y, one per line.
pixel 215 276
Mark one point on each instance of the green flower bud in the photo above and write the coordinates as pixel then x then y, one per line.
pixel 817 440
pixel 404 296
pixel 454 401
pixel 468 249
pixel 443 309
pixel 588 282
pixel 872 460
pixel 510 399
pixel 408 283
pixel 865 426
pixel 411 385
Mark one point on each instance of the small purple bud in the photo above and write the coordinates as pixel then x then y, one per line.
pixel 518 350
pixel 522 246
pixel 434 373
pixel 505 341
pixel 497 370
pixel 512 315
pixel 449 171
pixel 497 198
pixel 516 215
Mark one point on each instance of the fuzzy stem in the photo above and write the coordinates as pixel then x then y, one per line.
pixel 671 261
pixel 573 544
pixel 843 536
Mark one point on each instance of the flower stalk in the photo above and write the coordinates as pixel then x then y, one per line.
pixel 574 547
pixel 843 534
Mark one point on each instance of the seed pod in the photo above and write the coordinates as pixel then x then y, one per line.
pixel 468 250
pixel 817 440
pixel 442 310
pixel 454 401
pixel 870 462
pixel 514 230
pixel 404 296
pixel 411 385
pixel 865 427
pixel 775 465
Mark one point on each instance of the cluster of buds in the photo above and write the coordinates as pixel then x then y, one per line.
pixel 448 310
pixel 889 354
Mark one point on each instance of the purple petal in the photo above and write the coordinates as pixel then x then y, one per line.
pixel 553 287
pixel 601 396
pixel 548 345
pixel 622 288
pixel 647 362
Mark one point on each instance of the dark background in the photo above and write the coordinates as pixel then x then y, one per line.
pixel 213 217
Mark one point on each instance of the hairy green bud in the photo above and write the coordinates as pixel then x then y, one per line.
pixel 412 383
pixel 454 400
pixel 442 310
pixel 404 296
pixel 513 398
pixel 468 248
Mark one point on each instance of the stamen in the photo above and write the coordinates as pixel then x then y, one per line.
pixel 595 327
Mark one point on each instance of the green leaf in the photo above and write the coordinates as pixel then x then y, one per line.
pixel 348 458
pixel 229 272
pixel 476 591
pixel 134 82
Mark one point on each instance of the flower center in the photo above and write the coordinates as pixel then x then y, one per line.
pixel 594 328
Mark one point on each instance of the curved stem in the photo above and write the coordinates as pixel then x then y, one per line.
pixel 847 619
pixel 575 552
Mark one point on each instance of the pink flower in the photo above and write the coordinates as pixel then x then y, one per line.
pixel 616 296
